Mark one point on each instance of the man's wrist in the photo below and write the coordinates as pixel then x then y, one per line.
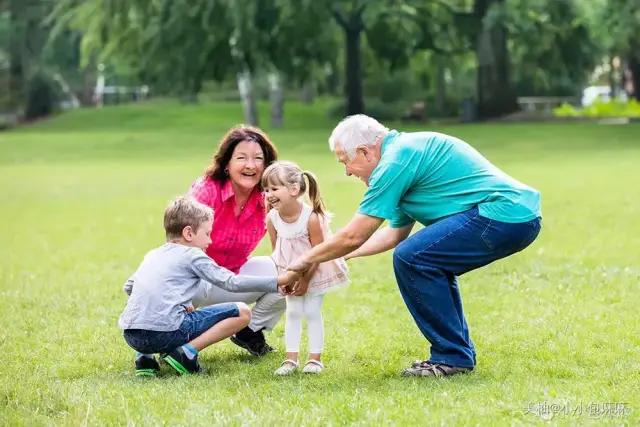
pixel 306 259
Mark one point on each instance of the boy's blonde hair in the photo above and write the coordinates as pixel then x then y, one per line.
pixel 288 174
pixel 185 211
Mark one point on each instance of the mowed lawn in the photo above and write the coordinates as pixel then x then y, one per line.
pixel 556 327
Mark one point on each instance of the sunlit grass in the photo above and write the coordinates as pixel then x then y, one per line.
pixel 81 200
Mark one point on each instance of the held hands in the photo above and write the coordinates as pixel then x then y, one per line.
pixel 296 288
pixel 286 282
pixel 300 288
pixel 300 265
pixel 190 308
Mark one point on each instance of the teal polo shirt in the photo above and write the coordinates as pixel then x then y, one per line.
pixel 426 176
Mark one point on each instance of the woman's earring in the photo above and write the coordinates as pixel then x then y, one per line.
pixel 226 172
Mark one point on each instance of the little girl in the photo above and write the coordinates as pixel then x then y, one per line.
pixel 294 228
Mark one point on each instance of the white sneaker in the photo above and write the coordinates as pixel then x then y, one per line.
pixel 288 367
pixel 313 367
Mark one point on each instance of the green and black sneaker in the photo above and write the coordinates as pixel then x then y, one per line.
pixel 181 363
pixel 147 366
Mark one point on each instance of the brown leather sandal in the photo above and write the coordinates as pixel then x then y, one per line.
pixel 426 369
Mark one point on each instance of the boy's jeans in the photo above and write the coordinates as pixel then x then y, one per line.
pixel 426 266
pixel 193 325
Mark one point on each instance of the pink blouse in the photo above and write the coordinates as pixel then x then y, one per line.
pixel 232 239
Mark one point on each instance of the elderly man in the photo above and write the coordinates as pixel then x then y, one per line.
pixel 472 212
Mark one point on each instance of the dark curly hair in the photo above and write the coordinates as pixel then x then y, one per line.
pixel 235 135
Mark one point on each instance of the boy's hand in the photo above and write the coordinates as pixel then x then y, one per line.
pixel 287 278
pixel 286 290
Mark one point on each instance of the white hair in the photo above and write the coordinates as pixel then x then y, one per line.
pixel 354 131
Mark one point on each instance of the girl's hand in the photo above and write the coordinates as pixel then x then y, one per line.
pixel 287 279
pixel 285 290
pixel 300 288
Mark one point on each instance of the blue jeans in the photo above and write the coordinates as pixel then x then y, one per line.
pixel 426 267
pixel 193 325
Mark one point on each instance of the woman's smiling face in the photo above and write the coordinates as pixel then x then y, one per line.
pixel 246 165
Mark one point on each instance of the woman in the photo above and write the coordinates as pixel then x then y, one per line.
pixel 231 187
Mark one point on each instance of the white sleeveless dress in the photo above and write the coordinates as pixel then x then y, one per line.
pixel 293 241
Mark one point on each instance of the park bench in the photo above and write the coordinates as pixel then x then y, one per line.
pixel 545 103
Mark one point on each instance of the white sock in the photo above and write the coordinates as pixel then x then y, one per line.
pixel 189 351
pixel 149 356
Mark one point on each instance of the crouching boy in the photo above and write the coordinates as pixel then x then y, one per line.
pixel 159 315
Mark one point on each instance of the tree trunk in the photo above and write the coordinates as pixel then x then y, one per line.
pixel 92 86
pixel 17 48
pixel 73 100
pixel 623 77
pixel 612 78
pixel 249 108
pixel 355 97
pixel 196 87
pixel 276 98
pixel 440 84
pixel 192 89
pixel 496 95
pixel 308 92
pixel 634 68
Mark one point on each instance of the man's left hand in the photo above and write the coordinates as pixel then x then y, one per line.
pixel 300 265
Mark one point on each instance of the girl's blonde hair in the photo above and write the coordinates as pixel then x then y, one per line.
pixel 289 174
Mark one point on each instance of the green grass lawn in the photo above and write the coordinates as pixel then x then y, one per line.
pixel 82 198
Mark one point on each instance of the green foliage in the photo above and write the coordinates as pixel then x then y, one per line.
pixel 617 23
pixel 599 108
pixel 393 39
pixel 553 50
pixel 173 45
pixel 295 37
pixel 43 96
pixel 390 87
pixel 62 56
pixel 177 45
pixel 5 123
pixel 5 31
pixel 383 111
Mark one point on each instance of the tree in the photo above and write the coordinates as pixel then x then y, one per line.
pixel 496 94
pixel 349 16
pixel 542 35
pixel 295 41
pixel 395 30
pixel 552 46
pixel 17 51
pixel 622 17
pixel 174 45
pixel 26 44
